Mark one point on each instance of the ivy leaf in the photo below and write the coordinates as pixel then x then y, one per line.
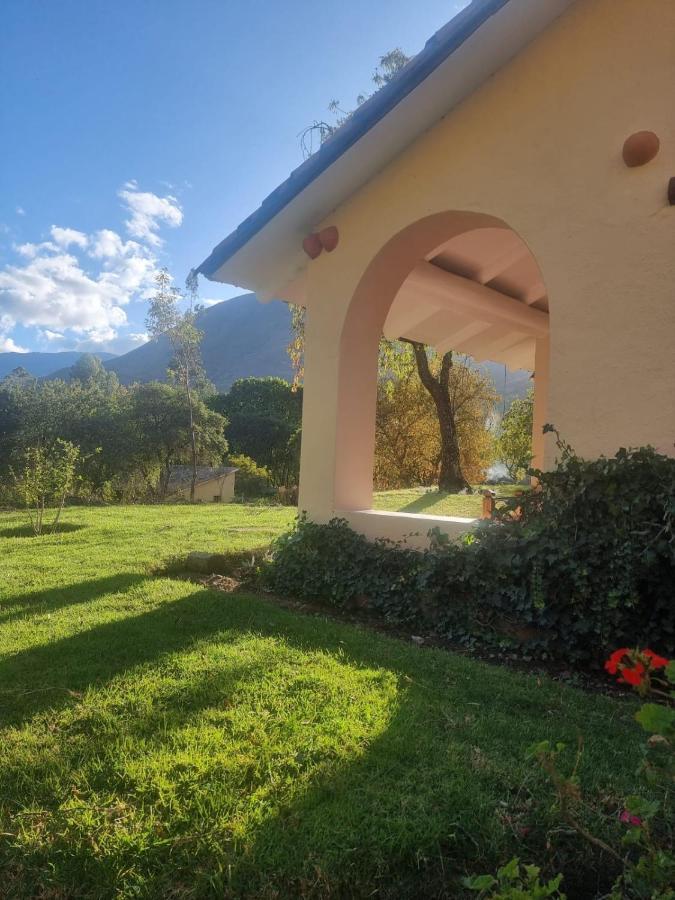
pixel 656 719
pixel 670 671
pixel 510 870
pixel 479 882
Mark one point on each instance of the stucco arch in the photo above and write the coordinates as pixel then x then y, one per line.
pixel 361 331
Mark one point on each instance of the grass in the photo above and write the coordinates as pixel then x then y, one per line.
pixel 431 502
pixel 162 740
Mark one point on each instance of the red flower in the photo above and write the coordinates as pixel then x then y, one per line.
pixel 655 661
pixel 615 659
pixel 633 676
pixel 629 819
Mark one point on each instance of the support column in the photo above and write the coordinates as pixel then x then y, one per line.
pixel 319 417
pixel 540 412
pixel 338 416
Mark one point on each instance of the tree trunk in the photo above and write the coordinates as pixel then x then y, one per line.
pixel 450 476
pixel 193 437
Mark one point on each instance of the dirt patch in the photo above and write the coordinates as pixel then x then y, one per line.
pixel 220 583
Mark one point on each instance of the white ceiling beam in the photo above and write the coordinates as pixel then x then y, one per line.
pixel 470 299
pixel 406 313
pixel 535 292
pixel 496 338
pixel 502 262
pixel 459 337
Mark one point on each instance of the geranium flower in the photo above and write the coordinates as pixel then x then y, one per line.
pixel 629 819
pixel 655 661
pixel 633 675
pixel 615 659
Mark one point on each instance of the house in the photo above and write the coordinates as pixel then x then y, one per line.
pixel 511 195
pixel 213 485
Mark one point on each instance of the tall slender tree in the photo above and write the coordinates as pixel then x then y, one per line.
pixel 186 369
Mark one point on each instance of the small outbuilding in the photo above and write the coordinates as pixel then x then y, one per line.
pixel 214 484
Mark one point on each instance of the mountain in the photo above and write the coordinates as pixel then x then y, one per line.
pixel 509 384
pixel 242 337
pixel 42 364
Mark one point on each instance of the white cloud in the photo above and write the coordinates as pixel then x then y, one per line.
pixel 148 212
pixel 53 292
pixel 64 237
pixel 106 243
pixel 8 345
pixel 209 302
pixel 75 287
pixel 139 337
pixel 52 335
pixel 20 211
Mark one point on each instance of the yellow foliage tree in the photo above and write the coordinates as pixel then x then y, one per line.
pixel 407 443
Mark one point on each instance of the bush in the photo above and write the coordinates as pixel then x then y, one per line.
pixel 251 480
pixel 589 560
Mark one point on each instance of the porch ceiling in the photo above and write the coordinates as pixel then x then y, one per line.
pixel 481 293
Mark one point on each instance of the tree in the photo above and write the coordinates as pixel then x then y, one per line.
pixel 45 479
pixel 265 416
pixel 437 383
pixel 514 444
pixel 408 448
pixel 18 377
pixel 89 370
pixel 164 432
pixel 186 369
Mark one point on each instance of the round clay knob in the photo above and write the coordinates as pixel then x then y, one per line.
pixel 312 245
pixel 640 148
pixel 329 238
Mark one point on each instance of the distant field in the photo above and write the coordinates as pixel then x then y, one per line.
pixel 429 502
pixel 161 740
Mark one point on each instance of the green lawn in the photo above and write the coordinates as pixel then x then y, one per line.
pixel 429 502
pixel 161 740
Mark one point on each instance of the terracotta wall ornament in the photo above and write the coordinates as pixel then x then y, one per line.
pixel 329 238
pixel 640 148
pixel 312 245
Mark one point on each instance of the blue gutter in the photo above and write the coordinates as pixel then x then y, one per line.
pixel 436 50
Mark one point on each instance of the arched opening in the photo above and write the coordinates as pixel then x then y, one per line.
pixel 455 280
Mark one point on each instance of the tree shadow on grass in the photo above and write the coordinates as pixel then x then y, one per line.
pixel 432 498
pixel 42 676
pixel 413 804
pixel 20 531
pixel 52 599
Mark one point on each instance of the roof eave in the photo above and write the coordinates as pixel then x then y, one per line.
pixel 350 157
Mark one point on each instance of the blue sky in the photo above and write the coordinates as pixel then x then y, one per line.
pixel 139 133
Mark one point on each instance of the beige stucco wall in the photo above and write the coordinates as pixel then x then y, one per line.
pixel 539 147
pixel 207 490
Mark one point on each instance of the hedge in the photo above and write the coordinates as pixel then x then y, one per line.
pixel 585 564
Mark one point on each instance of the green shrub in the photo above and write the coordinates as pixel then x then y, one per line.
pixel 251 480
pixel 590 561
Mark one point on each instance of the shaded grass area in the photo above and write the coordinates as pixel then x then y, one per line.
pixel 163 740
pixel 431 502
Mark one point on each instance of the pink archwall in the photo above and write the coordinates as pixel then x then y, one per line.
pixel 358 349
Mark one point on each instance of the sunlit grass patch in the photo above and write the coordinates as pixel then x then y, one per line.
pixel 159 739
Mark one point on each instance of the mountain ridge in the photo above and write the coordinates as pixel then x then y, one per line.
pixel 242 338
pixel 41 364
